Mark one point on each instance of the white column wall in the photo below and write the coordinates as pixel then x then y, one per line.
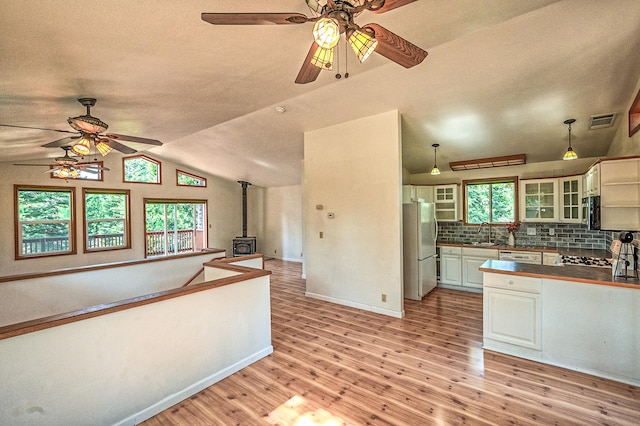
pixel 353 170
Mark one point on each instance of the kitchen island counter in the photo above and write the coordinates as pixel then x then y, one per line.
pixel 582 274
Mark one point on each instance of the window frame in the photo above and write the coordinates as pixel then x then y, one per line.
pixel 205 223
pixel 17 223
pixel 191 175
pixel 505 179
pixel 147 158
pixel 127 219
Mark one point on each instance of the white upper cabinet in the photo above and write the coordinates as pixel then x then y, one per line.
pixel 539 200
pixel 592 181
pixel 620 195
pixel 446 199
pixel 570 199
pixel 425 192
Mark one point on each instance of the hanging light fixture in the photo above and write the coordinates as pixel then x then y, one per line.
pixel 570 154
pixel 435 170
pixel 103 148
pixel 323 58
pixel 83 146
pixel 362 42
pixel 326 33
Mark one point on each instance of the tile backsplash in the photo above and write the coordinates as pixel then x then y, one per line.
pixel 546 235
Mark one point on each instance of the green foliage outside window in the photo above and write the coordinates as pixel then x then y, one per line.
pixel 190 180
pixel 44 218
pixel 106 219
pixel 492 202
pixel 141 169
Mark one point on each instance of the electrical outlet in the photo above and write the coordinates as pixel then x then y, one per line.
pixel 384 297
pixel 552 232
pixel 321 234
pixel 531 231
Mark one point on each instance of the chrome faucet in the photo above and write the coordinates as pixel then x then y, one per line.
pixel 489 226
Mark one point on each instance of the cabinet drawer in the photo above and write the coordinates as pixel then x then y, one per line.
pixel 512 282
pixel 486 253
pixel 450 250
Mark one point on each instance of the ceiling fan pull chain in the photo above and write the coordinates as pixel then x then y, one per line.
pixel 346 60
pixel 337 62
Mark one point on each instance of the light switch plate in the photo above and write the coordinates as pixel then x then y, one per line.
pixel 531 231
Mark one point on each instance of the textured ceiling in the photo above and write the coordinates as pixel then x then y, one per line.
pixel 500 79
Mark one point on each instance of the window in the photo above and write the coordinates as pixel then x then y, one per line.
pixel 89 173
pixel 45 221
pixel 187 179
pixel 141 169
pixel 106 219
pixel 174 226
pixel 492 200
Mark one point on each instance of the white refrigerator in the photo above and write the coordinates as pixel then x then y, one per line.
pixel 420 231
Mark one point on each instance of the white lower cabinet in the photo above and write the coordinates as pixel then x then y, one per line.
pixel 472 259
pixel 512 310
pixel 450 267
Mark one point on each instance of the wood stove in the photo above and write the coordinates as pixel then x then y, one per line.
pixel 244 245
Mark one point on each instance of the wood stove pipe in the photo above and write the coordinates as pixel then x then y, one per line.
pixel 244 206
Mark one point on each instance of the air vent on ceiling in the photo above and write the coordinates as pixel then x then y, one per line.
pixel 601 121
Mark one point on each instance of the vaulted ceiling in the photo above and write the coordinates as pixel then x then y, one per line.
pixel 500 79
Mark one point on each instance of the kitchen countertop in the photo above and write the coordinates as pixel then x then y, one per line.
pixel 583 274
pixel 599 253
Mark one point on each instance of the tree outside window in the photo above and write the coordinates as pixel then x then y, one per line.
pixel 174 226
pixel 107 224
pixel 45 221
pixel 492 201
pixel 141 169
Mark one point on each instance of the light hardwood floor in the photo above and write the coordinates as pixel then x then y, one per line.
pixel 337 364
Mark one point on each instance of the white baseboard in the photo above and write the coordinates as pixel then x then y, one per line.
pixel 351 304
pixel 192 389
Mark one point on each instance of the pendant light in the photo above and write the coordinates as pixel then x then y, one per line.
pixel 435 170
pixel 570 154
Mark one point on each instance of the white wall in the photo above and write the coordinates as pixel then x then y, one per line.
pixel 122 368
pixel 354 171
pixel 224 205
pixel 622 144
pixel 283 223
pixel 32 298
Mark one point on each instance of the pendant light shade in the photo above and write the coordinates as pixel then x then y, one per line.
pixel 435 170
pixel 103 148
pixel 570 154
pixel 82 147
pixel 323 58
pixel 362 43
pixel 326 33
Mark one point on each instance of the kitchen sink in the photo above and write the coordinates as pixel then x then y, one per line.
pixel 485 244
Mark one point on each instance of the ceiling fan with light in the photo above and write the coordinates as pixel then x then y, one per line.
pixel 332 19
pixel 90 130
pixel 69 167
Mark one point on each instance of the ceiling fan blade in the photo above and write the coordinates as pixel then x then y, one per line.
pixel 395 48
pixel 90 168
pixel 254 18
pixel 118 146
pixel 38 128
pixel 134 139
pixel 391 4
pixel 61 142
pixel 39 165
pixel 308 72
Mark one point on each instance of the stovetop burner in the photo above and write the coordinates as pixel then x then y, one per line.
pixel 601 262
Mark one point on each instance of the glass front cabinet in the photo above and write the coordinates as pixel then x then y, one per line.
pixel 539 200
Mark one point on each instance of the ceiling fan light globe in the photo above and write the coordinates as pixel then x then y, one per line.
pixel 323 58
pixel 326 33
pixel 363 44
pixel 103 148
pixel 82 147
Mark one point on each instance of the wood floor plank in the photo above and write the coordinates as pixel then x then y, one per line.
pixel 356 367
